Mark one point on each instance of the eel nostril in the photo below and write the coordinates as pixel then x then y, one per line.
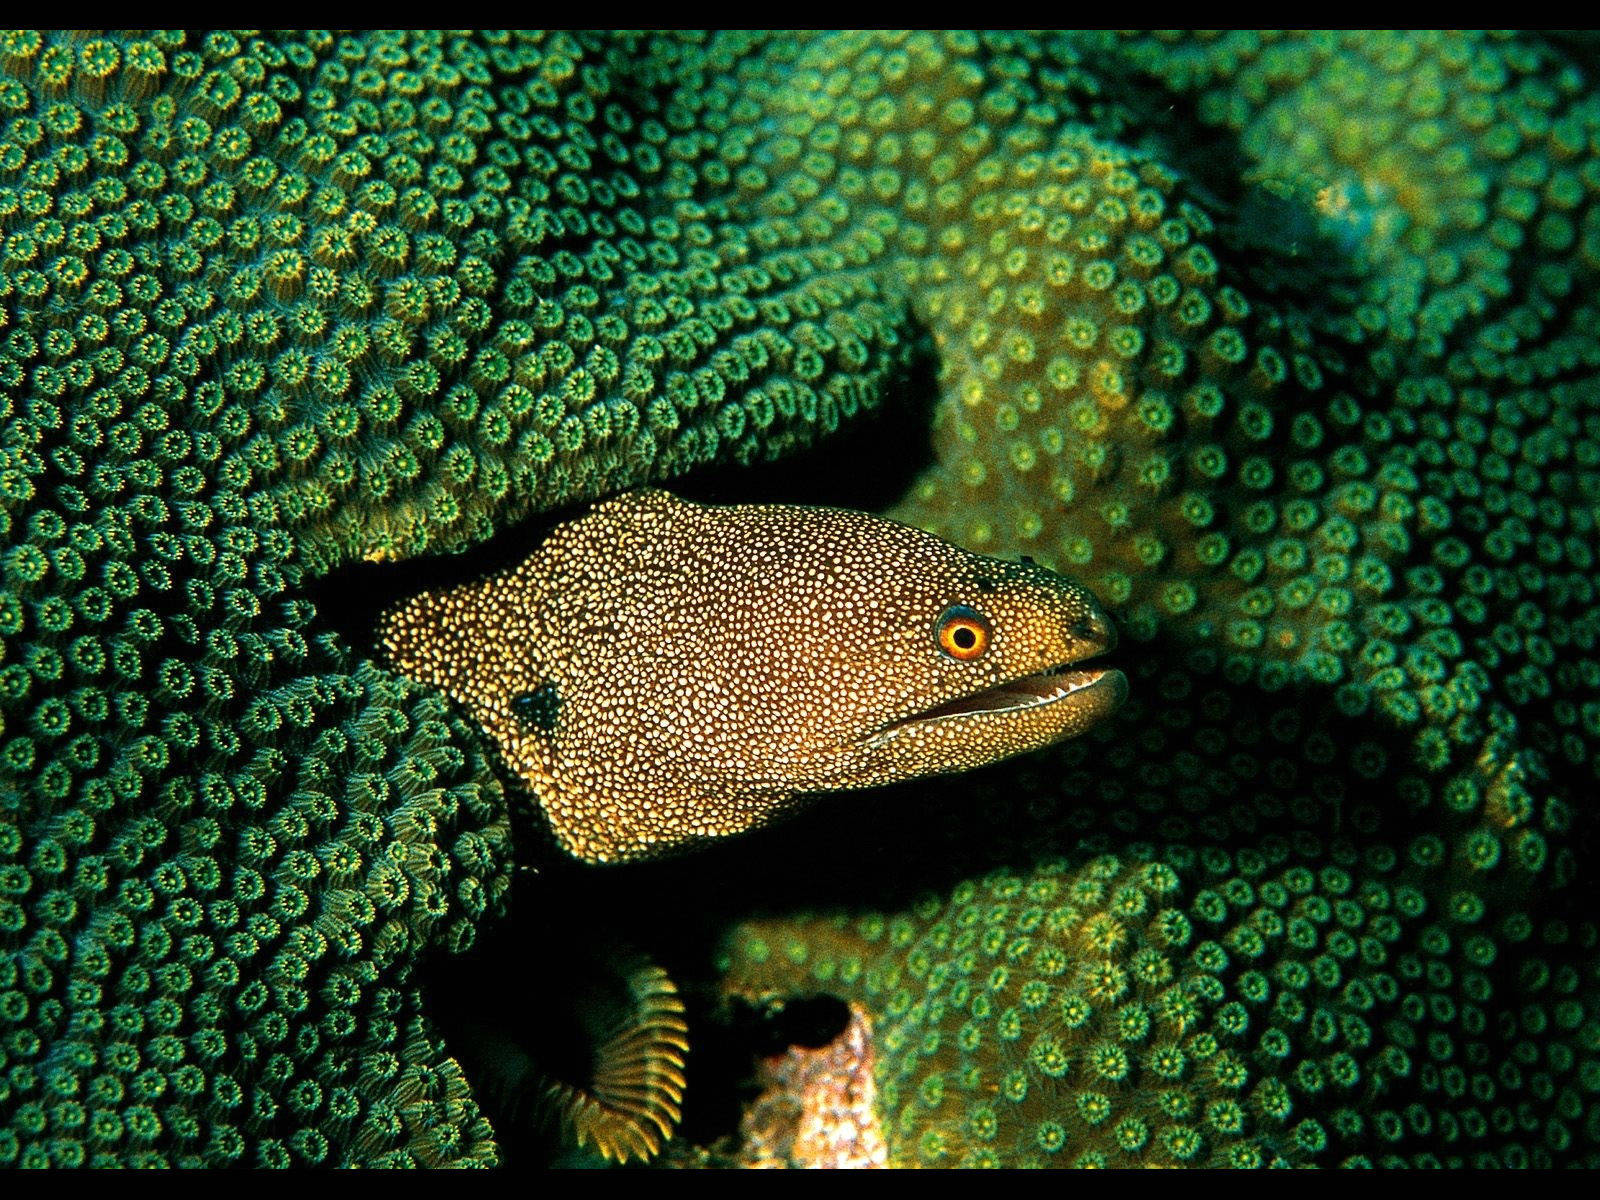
pixel 1095 628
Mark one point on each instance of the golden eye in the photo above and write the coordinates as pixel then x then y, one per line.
pixel 963 633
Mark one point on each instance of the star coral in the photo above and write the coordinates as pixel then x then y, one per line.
pixel 1284 344
pixel 1340 490
pixel 270 305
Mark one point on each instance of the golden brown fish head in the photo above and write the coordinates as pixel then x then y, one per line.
pixel 663 672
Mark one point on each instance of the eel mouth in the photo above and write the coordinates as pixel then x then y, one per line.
pixel 1067 685
pixel 1042 689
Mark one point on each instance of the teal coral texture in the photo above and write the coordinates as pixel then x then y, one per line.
pixel 270 305
pixel 1305 388
pixel 1286 346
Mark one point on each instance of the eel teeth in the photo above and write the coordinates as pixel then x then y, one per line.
pixel 1030 691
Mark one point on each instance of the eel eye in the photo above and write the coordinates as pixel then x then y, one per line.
pixel 963 633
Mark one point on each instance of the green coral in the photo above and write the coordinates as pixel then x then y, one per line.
pixel 1290 1003
pixel 1286 345
pixel 1293 360
pixel 413 286
pixel 268 305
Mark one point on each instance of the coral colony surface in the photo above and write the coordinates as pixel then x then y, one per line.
pixel 1286 347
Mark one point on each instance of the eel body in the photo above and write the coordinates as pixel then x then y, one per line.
pixel 661 672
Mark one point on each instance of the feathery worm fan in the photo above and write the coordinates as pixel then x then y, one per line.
pixel 629 1107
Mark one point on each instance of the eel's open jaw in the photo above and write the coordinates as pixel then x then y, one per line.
pixel 1027 694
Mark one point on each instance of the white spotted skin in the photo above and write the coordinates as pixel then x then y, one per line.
pixel 717 664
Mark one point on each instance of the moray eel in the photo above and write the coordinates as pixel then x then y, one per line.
pixel 661 673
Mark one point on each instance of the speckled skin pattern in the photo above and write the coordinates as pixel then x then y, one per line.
pixel 703 667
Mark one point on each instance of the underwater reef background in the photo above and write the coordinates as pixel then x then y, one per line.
pixel 1287 347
